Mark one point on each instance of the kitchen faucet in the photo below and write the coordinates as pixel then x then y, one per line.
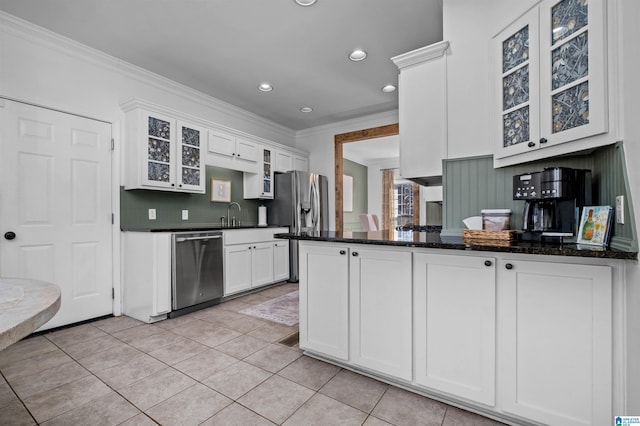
pixel 233 221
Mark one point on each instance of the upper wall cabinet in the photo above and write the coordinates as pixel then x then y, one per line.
pixel 422 110
pixel 163 153
pixel 232 152
pixel 260 185
pixel 550 79
pixel 287 160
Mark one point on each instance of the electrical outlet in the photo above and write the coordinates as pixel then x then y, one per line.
pixel 152 214
pixel 620 209
pixel 185 214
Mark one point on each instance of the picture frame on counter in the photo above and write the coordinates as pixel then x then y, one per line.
pixel 595 225
pixel 220 190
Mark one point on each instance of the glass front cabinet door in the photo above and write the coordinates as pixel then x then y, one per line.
pixel 551 76
pixel 171 154
pixel 190 171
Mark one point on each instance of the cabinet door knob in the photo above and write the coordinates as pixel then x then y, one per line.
pixel 9 235
pixel 488 263
pixel 531 144
pixel 355 253
pixel 543 140
pixel 508 266
pixel 343 252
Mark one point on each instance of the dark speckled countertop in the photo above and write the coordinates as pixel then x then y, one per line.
pixel 197 227
pixel 435 240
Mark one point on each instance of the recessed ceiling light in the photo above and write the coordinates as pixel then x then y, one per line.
pixel 305 2
pixel 306 109
pixel 389 88
pixel 357 55
pixel 265 87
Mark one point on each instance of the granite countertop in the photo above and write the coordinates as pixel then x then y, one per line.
pixel 200 227
pixel 25 305
pixel 436 240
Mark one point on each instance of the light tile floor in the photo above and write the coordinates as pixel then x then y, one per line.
pixel 211 367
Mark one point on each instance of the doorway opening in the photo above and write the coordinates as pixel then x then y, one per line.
pixel 339 140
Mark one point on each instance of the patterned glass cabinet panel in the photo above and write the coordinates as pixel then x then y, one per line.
pixel 171 156
pixel 518 85
pixel 190 170
pixel 267 173
pixel 554 91
pixel 157 158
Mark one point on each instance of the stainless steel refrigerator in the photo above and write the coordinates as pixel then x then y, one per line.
pixel 300 201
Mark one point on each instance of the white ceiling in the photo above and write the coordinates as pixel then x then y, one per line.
pixel 372 151
pixel 225 48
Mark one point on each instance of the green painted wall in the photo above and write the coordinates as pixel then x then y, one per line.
pixel 472 184
pixel 134 205
pixel 351 220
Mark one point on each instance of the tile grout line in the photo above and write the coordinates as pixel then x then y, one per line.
pixel 19 399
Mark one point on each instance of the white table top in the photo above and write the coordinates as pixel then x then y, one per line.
pixel 25 305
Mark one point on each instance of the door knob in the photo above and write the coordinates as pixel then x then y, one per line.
pixel 531 144
pixel 9 235
pixel 355 253
pixel 543 140
pixel 487 263
pixel 508 266
pixel 342 252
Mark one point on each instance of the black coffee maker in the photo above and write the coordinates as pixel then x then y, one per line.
pixel 553 198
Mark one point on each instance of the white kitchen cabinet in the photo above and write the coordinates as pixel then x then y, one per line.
pixel 232 152
pixel 422 110
pixel 454 304
pixel 249 259
pixel 163 153
pixel 556 344
pixel 300 163
pixel 237 268
pixel 281 260
pixel 288 160
pixel 550 78
pixel 262 264
pixel 247 266
pixel 146 275
pixel 260 185
pixel 380 319
pixel 324 299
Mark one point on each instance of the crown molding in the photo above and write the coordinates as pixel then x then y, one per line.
pixel 422 54
pixel 373 120
pixel 15 26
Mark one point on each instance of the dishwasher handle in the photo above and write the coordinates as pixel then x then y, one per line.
pixel 210 237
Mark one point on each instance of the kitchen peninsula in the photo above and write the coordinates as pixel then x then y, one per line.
pixel 528 333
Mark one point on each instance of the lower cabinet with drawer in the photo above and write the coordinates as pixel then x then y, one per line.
pixel 250 257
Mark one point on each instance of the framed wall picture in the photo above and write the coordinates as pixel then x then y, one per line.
pixel 220 190
pixel 347 193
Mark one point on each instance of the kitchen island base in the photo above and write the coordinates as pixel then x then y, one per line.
pixel 526 339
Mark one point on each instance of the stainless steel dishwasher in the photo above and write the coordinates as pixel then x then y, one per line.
pixel 196 268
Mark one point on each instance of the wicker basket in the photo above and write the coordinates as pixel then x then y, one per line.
pixel 482 237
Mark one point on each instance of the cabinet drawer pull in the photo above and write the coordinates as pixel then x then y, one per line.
pixel 343 252
pixel 508 266
pixel 543 140
pixel 488 263
pixel 531 144
pixel 355 253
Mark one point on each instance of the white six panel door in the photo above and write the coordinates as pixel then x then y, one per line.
pixel 55 195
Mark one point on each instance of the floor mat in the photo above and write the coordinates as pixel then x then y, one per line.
pixel 283 309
